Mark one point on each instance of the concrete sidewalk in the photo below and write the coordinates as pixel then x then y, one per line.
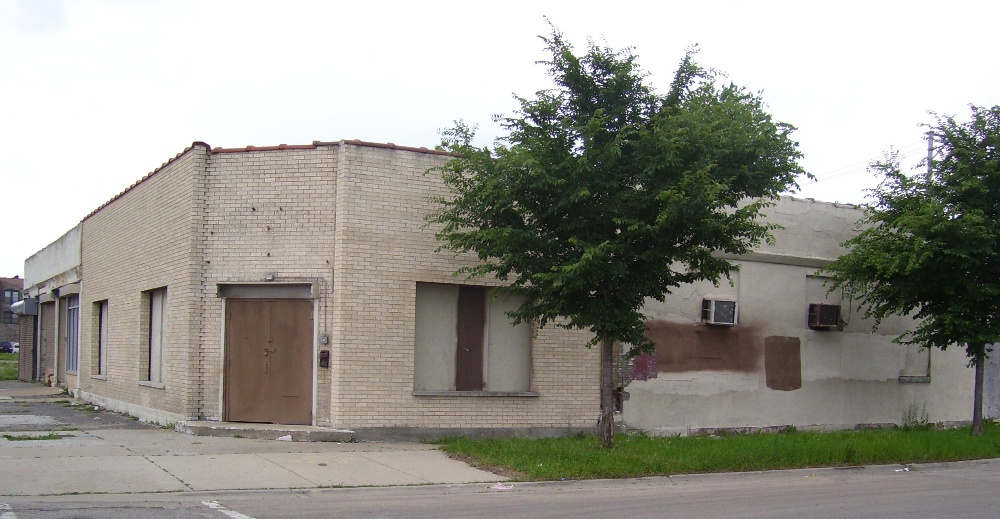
pixel 129 457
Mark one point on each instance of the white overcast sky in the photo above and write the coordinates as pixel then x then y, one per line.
pixel 95 94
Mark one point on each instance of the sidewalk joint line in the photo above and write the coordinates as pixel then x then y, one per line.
pixel 151 462
pixel 361 455
pixel 276 464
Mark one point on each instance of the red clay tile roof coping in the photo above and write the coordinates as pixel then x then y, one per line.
pixel 387 145
pixel 266 148
pixel 316 144
pixel 143 179
pixel 280 147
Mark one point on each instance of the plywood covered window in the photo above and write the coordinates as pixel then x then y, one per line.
pixel 464 341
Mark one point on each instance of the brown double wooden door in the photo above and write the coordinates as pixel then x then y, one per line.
pixel 268 366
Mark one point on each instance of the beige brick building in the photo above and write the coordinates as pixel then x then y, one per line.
pixel 299 284
pixel 338 225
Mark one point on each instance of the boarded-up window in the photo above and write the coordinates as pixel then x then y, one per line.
pixel 464 341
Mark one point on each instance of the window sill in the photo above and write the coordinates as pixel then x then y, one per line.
pixel 99 377
pixel 154 385
pixel 904 379
pixel 519 394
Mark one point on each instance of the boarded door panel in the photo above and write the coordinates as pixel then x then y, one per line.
pixel 291 362
pixel 47 333
pixel 247 345
pixel 269 361
pixel 469 356
pixel 782 363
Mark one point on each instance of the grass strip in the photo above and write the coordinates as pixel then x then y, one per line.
pixel 636 455
pixel 8 366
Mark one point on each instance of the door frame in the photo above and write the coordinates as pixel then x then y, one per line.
pixel 269 290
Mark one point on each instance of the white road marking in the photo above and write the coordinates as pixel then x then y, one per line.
pixel 5 512
pixel 214 505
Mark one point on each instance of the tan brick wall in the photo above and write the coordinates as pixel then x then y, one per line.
pixel 348 219
pixel 26 357
pixel 382 250
pixel 146 239
pixel 267 212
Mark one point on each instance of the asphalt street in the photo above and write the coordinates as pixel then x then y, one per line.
pixel 954 490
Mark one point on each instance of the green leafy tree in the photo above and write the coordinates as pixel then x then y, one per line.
pixel 929 245
pixel 604 193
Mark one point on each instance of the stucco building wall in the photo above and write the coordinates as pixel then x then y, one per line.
pixel 50 276
pixel 772 369
pixel 54 266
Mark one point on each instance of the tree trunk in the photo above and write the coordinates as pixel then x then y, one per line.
pixel 977 399
pixel 607 421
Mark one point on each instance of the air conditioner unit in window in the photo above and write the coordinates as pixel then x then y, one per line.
pixel 719 312
pixel 824 317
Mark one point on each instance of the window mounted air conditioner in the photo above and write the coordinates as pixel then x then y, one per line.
pixel 719 312
pixel 824 317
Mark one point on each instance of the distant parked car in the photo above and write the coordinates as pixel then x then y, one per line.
pixel 17 347
pixel 6 347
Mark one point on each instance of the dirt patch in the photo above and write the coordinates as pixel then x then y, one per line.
pixel 66 414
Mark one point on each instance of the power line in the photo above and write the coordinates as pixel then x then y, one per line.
pixel 909 151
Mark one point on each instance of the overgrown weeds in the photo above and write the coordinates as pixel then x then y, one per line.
pixel 28 437
pixel 915 418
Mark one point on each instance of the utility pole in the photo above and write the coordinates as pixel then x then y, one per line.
pixel 930 150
